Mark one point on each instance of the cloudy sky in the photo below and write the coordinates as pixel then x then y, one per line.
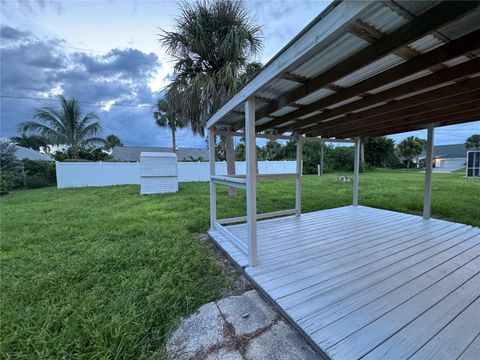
pixel 106 54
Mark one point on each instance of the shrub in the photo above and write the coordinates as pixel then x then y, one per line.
pixel 5 182
pixel 39 173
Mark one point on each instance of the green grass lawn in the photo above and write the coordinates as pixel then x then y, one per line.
pixel 106 273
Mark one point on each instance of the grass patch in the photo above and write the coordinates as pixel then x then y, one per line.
pixel 106 273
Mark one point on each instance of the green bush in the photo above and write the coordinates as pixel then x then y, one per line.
pixel 39 173
pixel 5 182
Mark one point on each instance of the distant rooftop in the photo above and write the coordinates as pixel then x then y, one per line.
pixel 132 153
pixel 449 151
pixel 25 153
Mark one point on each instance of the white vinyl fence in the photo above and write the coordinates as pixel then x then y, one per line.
pixel 81 174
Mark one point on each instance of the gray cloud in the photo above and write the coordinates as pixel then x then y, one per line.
pixel 33 67
pixel 10 33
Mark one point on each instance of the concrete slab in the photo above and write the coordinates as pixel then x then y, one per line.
pixel 281 342
pixel 237 328
pixel 247 313
pixel 197 334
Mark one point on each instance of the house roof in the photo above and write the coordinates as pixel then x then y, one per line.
pixel 449 151
pixel 369 68
pixel 25 153
pixel 132 153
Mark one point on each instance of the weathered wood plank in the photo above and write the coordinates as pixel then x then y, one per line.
pixel 356 280
pixel 342 277
pixel 341 301
pixel 454 321
pixel 471 353
pixel 378 321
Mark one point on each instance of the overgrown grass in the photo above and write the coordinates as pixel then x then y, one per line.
pixel 106 273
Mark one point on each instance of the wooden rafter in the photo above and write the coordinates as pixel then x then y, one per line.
pixel 413 123
pixel 450 93
pixel 370 34
pixel 416 28
pixel 292 77
pixel 427 114
pixel 441 54
pixel 425 82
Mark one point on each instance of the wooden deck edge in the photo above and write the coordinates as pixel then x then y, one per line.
pixel 273 303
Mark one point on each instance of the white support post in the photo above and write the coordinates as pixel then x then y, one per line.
pixel 322 152
pixel 250 157
pixel 213 187
pixel 428 173
pixel 356 170
pixel 298 183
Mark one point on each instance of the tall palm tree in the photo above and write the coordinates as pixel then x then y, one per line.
pixel 35 142
pixel 410 148
pixel 66 125
pixel 165 117
pixel 213 46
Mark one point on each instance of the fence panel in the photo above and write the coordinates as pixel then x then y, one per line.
pixel 81 174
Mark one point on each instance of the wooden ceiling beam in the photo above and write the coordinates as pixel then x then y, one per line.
pixel 449 74
pixel 418 123
pixel 292 77
pixel 421 25
pixel 438 55
pixel 452 94
pixel 369 33
pixel 403 118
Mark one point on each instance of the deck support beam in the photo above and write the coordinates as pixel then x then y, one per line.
pixel 356 170
pixel 213 187
pixel 251 169
pixel 428 173
pixel 298 183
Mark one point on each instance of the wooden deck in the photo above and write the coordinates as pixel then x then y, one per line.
pixel 366 283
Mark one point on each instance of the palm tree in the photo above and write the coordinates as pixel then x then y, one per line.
pixel 410 148
pixel 213 44
pixel 112 141
pixel 473 142
pixel 165 117
pixel 35 142
pixel 66 125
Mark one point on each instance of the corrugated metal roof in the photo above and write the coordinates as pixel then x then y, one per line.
pixel 426 43
pixel 317 95
pixel 416 7
pixel 344 44
pixel 455 29
pixel 277 87
pixel 347 45
pixel 284 110
pixel 384 18
pixel 401 81
pixel 374 68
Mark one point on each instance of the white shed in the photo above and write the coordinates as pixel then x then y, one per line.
pixel 158 173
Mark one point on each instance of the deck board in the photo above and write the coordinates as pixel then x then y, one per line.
pixel 363 282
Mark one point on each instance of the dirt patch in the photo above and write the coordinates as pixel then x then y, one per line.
pixel 238 284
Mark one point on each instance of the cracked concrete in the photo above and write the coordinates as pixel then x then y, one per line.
pixel 240 327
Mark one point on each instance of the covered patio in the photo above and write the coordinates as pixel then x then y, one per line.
pixel 360 282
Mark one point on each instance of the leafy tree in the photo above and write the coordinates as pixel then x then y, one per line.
pixel 112 141
pixel 410 148
pixel 10 167
pixel 83 154
pixel 165 117
pixel 380 151
pixel 213 45
pixel 66 125
pixel 473 142
pixel 35 142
